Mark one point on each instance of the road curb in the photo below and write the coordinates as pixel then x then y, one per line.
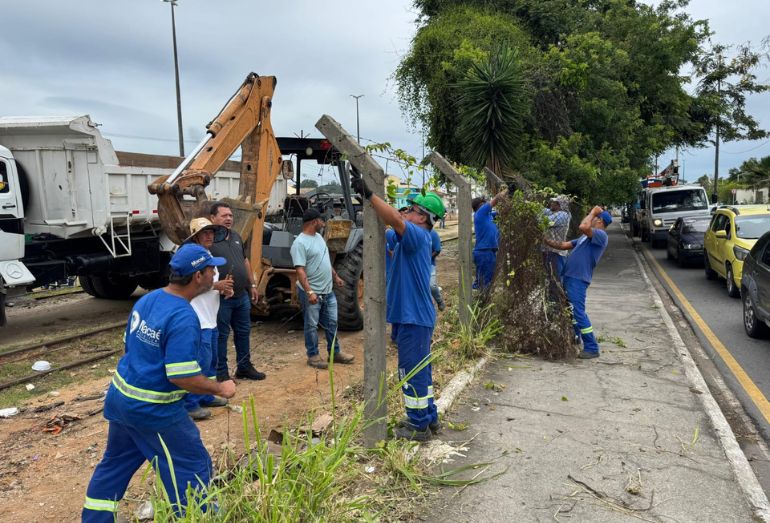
pixel 457 384
pixel 739 464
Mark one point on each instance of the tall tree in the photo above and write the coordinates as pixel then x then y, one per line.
pixel 724 82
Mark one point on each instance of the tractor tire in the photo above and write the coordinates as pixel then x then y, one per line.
pixel 350 304
pixel 113 287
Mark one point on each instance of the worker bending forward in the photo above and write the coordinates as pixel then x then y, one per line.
pixel 409 305
pixel 147 418
pixel 578 272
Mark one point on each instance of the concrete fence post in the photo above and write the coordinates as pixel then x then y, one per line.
pixel 375 391
pixel 464 234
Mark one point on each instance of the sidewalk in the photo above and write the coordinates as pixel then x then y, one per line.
pixel 625 437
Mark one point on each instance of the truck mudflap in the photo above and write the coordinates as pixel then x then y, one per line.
pixel 14 273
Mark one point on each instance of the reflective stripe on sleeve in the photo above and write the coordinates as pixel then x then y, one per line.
pixel 106 505
pixel 587 330
pixel 184 367
pixel 149 396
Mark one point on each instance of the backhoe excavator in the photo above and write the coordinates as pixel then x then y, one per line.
pixel 245 122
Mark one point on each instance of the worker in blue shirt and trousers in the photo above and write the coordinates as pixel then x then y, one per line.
pixel 586 252
pixel 409 305
pixel 391 244
pixel 485 249
pixel 144 404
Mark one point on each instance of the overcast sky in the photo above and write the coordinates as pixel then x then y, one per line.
pixel 112 59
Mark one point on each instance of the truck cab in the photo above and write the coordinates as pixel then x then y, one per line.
pixel 663 205
pixel 13 273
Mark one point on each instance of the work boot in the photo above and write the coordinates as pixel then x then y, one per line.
pixel 412 433
pixel 316 362
pixel 586 355
pixel 341 357
pixel 441 305
pixel 249 373
pixel 199 414
pixel 216 402
pixel 223 377
pixel 434 427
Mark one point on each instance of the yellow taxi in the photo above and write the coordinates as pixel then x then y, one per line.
pixel 732 233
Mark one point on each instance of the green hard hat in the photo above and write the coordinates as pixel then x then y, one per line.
pixel 431 203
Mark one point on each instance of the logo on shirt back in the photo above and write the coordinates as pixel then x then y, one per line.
pixel 145 334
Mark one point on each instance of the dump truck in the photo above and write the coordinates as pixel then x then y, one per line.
pixel 70 205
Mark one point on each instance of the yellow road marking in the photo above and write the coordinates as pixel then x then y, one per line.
pixel 745 381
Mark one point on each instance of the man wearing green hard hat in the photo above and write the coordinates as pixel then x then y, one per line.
pixel 410 306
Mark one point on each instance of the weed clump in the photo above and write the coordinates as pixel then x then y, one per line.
pixel 519 293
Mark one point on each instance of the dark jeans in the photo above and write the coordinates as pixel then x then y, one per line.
pixel 323 313
pixel 234 312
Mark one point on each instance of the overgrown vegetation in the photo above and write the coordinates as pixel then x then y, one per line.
pixel 533 324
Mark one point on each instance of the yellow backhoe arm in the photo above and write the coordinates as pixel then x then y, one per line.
pixel 245 122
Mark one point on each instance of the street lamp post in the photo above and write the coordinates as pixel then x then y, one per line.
pixel 176 75
pixel 358 126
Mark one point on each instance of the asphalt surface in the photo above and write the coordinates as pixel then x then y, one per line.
pixel 724 316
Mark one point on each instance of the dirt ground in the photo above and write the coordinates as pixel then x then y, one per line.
pixel 43 476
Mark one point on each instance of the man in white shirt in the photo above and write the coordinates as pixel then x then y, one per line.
pixel 206 306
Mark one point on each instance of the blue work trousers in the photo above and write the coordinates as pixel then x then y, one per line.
pixel 323 313
pixel 128 448
pixel 207 360
pixel 485 261
pixel 576 294
pixel 234 312
pixel 413 350
pixel 554 265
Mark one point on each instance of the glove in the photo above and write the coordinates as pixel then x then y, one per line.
pixel 359 185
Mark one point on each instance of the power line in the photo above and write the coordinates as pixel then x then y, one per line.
pixel 748 150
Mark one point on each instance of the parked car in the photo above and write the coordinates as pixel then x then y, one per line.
pixel 685 240
pixel 732 233
pixel 755 289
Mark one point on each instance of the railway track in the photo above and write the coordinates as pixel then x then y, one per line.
pixel 43 349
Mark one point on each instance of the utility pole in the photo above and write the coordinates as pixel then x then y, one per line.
pixel 715 193
pixel 358 123
pixel 176 75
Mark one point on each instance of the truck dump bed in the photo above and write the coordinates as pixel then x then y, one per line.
pixel 77 185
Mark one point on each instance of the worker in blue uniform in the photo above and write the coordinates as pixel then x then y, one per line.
pixel 578 271
pixel 485 248
pixel 409 305
pixel 144 407
pixel 391 244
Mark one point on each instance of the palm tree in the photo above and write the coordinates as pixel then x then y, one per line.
pixel 493 101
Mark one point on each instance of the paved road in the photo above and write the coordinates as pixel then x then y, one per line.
pixel 723 315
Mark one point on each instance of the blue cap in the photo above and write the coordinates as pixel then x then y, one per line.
pixel 606 218
pixel 191 258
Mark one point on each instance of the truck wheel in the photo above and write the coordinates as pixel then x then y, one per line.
pixel 87 285
pixel 112 286
pixel 152 281
pixel 350 311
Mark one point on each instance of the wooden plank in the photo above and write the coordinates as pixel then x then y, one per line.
pixel 464 234
pixel 375 393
